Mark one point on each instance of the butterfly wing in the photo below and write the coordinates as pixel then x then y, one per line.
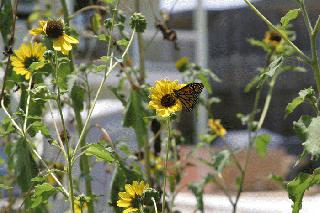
pixel 189 95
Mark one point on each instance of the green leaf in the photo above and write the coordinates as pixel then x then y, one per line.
pixel 6 20
pixel 301 127
pixel 293 105
pixel 39 126
pixel 274 65
pixel 103 37
pixel 290 16
pixel 100 152
pixel 303 95
pixel 299 185
pixel 123 42
pixel 252 84
pixel 312 144
pixel 220 160
pixel 41 194
pixel 101 68
pixel 2 186
pixel 96 22
pixel 36 65
pixel 77 96
pixel 261 144
pixel 134 115
pixel 205 81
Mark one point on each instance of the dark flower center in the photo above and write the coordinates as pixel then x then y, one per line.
pixel 54 28
pixel 29 60
pixel 275 37
pixel 168 100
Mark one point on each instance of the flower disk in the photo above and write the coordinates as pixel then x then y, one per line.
pixel 25 56
pixel 131 199
pixel 163 99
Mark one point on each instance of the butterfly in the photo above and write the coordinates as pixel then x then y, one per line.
pixel 189 95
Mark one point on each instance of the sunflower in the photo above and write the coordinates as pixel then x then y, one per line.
pixel 216 127
pixel 25 56
pixel 272 38
pixel 54 29
pixel 131 199
pixel 163 99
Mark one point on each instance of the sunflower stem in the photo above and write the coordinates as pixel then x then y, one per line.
pixel 27 107
pixel 166 165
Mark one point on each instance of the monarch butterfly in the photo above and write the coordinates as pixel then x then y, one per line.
pixel 189 94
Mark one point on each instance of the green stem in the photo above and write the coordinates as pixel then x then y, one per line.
pixel 84 162
pixel 141 81
pixel 27 107
pixel 284 37
pixel 141 49
pixel 166 166
pixel 155 205
pixel 267 102
pixel 65 12
pixel 69 167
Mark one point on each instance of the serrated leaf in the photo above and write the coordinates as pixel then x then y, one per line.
pixel 298 186
pixel 312 144
pixel 220 160
pixel 41 194
pixel 205 81
pixel 40 126
pixel 290 16
pixel 261 144
pixel 274 65
pixel 303 95
pixel 123 42
pixel 100 152
pixel 101 68
pixel 301 127
pixel 37 65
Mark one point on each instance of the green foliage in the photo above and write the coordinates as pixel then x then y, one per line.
pixel 41 194
pixel 134 115
pixel 221 160
pixel 298 186
pixel 100 152
pixel 6 20
pixel 290 16
pixel 304 95
pixel 2 186
pixel 301 127
pixel 312 144
pixel 261 143
pixel 77 96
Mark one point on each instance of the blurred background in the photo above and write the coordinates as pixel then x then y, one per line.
pixel 213 34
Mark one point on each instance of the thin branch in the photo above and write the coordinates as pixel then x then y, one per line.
pixel 9 46
pixel 90 7
pixel 27 107
pixel 11 119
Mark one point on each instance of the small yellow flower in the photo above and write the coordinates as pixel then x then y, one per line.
pixel 54 29
pixel 272 38
pixel 163 99
pixel 77 206
pixel 182 63
pixel 216 127
pixel 25 56
pixel 131 198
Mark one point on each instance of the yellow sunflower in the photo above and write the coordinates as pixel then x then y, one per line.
pixel 131 199
pixel 216 127
pixel 272 38
pixel 163 99
pixel 54 29
pixel 25 56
